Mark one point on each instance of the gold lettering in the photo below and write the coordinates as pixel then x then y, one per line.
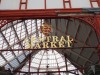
pixel 69 41
pixel 45 45
pixel 53 45
pixel 41 39
pixel 32 41
pixel 27 44
pixel 48 38
pixel 37 46
pixel 55 39
pixel 61 44
pixel 62 39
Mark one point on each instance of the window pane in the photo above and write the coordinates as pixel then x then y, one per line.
pixel 2 61
pixel 8 55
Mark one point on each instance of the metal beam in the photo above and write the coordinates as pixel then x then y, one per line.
pixel 92 10
pixel 42 13
pixel 70 71
pixel 47 48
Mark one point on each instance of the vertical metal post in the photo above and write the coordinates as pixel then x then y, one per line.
pixel 66 63
pixel 23 3
pixel 45 3
pixel 64 4
pixel 29 64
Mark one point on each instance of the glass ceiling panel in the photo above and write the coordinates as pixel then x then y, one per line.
pixel 26 52
pixel 36 60
pixel 16 46
pixel 3 44
pixel 20 29
pixel 2 61
pixel 30 27
pixel 71 67
pixel 50 58
pixel 8 55
pixel 7 66
pixel 10 36
pixel 21 58
pixel 25 68
pixel 38 56
pixel 14 63
pixel 34 65
pixel 46 58
pixel 17 53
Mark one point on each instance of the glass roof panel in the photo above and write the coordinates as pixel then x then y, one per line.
pixel 35 65
pixel 47 58
pixel 50 58
pixel 27 52
pixel 16 46
pixel 21 57
pixel 17 53
pixel 25 68
pixel 20 29
pixel 7 66
pixel 8 55
pixel 30 27
pixel 2 61
pixel 3 44
pixel 14 63
pixel 10 36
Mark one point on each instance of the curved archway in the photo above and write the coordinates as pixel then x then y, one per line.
pixel 91 20
pixel 82 54
pixel 84 36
